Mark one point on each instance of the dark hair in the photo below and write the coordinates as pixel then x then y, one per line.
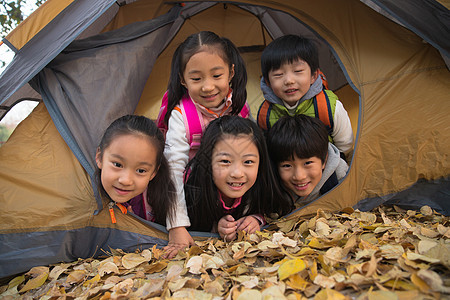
pixel 203 206
pixel 225 49
pixel 161 189
pixel 298 135
pixel 287 49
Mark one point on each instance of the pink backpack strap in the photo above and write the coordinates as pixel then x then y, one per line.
pixel 192 122
pixel 245 111
pixel 162 113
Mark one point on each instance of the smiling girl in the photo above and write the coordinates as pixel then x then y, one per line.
pixel 230 183
pixel 132 171
pixel 207 80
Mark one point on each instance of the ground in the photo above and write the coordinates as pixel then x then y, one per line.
pixel 388 253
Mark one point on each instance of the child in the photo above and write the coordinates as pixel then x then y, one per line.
pixel 230 181
pixel 292 86
pixel 208 76
pixel 132 170
pixel 308 165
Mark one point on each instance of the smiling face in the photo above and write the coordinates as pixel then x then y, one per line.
pixel 207 78
pixel 291 81
pixel 301 175
pixel 127 166
pixel 235 162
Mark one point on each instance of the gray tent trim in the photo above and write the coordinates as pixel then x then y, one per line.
pixel 69 98
pixel 84 242
pixel 428 19
pixel 50 41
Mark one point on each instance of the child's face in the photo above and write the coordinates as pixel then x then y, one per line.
pixel 207 78
pixel 301 175
pixel 291 81
pixel 128 164
pixel 235 162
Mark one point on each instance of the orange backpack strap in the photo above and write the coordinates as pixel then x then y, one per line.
pixel 263 115
pixel 322 110
pixel 324 79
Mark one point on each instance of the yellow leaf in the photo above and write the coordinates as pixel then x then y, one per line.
pixel 34 282
pixel 132 260
pixel 420 283
pixel 316 243
pixel 328 294
pixel 381 295
pixel 16 281
pixel 305 251
pixel 313 270
pixel 297 282
pixel 92 281
pixel 291 267
pixel 156 267
pixel 399 284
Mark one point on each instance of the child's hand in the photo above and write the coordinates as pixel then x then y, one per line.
pixel 179 239
pixel 249 224
pixel 227 228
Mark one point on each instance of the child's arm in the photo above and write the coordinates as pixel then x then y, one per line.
pixel 342 130
pixel 177 154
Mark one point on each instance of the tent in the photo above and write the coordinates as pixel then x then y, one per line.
pixel 89 62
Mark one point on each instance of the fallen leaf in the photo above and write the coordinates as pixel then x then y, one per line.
pixel 420 283
pixel 131 260
pixel 328 294
pixel 107 268
pixel 291 267
pixel 194 264
pixel 76 276
pixel 40 275
pixel 426 210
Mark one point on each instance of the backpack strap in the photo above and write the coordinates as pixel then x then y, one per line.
pixel 162 113
pixel 192 121
pixel 263 115
pixel 245 111
pixel 331 182
pixel 324 80
pixel 322 110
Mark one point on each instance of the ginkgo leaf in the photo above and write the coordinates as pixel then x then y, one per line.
pixel 76 276
pixel 35 282
pixel 291 267
pixel 297 282
pixel 194 264
pixel 107 268
pixel 57 271
pixel 328 294
pixel 156 267
pixel 420 283
pixel 131 260
pixel 94 280
pixel 16 281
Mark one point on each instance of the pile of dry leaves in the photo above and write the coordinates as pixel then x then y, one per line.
pixel 385 254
